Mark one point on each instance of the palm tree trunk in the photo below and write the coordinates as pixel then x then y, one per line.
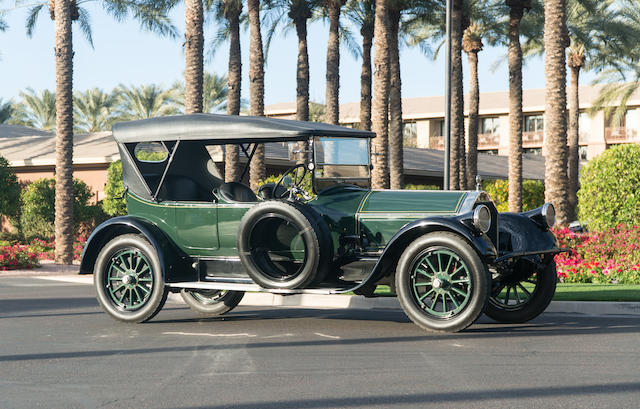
pixel 332 111
pixel 380 108
pixel 474 106
pixel 231 158
pixel 365 83
pixel 555 44
pixel 574 136
pixel 515 110
pixel 396 174
pixel 302 72
pixel 64 133
pixel 193 53
pixel 457 98
pixel 256 87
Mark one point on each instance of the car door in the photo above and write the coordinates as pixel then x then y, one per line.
pixel 197 227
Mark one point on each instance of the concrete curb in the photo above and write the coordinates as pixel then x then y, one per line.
pixel 378 303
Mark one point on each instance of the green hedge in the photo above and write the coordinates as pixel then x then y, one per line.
pixel 9 190
pixel 114 204
pixel 411 186
pixel 532 193
pixel 38 207
pixel 609 192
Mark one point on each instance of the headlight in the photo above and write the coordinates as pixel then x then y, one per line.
pixel 549 215
pixel 482 218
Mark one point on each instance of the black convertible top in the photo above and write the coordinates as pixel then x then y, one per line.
pixel 227 128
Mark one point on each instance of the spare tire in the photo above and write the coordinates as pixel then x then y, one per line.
pixel 284 245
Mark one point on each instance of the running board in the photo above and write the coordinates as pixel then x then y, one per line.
pixel 255 288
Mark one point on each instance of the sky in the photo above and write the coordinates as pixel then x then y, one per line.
pixel 124 54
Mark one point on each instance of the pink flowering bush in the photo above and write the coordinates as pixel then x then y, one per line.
pixel 17 256
pixel 612 256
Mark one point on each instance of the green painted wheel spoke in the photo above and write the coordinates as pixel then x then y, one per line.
pixel 118 269
pixel 444 303
pixel 430 265
pixel 449 263
pixel 123 261
pixel 145 268
pixel 138 259
pixel 425 295
pixel 145 289
pixel 458 291
pixel 135 289
pixel 458 269
pixel 424 273
pixel 439 262
pixel 422 284
pixel 463 280
pixel 524 289
pixel 124 292
pixel 515 292
pixel 115 278
pixel 456 303
pixel 433 304
pixel 145 280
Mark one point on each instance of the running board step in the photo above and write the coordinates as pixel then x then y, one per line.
pixel 254 288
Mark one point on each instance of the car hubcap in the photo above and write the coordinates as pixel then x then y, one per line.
pixel 129 279
pixel 441 283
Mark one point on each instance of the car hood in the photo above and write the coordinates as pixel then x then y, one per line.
pixel 412 201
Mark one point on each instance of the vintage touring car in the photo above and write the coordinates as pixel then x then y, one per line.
pixel 448 255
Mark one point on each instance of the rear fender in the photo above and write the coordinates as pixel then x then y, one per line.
pixel 174 263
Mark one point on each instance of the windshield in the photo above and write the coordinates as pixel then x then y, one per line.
pixel 341 160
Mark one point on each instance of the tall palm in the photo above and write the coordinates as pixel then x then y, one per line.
pixel 214 93
pixel 6 111
pixel 228 13
pixel 151 15
pixel 256 87
pixel 332 110
pixel 36 110
pixel 287 14
pixel 380 108
pixel 146 101
pixel 193 55
pixel 396 168
pixel 362 13
pixel 472 45
pixel 93 110
pixel 555 43
pixel 516 12
pixel 457 168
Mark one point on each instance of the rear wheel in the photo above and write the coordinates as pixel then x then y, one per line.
pixel 211 302
pixel 128 279
pixel 441 282
pixel 523 295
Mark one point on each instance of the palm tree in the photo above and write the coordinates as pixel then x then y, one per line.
pixel 457 168
pixel 64 12
pixel 193 55
pixel 380 108
pixel 396 165
pixel 6 111
pixel 93 110
pixel 472 45
pixel 228 13
pixel 516 12
pixel 256 87
pixel 298 12
pixel 36 110
pixel 215 93
pixel 362 14
pixel 146 101
pixel 332 110
pixel 555 42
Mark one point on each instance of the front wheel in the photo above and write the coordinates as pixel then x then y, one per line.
pixel 523 295
pixel 441 282
pixel 128 279
pixel 211 302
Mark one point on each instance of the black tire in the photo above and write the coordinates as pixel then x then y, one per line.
pixel 128 279
pixel 439 305
pixel 523 310
pixel 211 302
pixel 271 230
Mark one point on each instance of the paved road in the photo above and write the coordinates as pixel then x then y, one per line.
pixel 57 349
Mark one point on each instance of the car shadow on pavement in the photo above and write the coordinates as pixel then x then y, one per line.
pixel 473 397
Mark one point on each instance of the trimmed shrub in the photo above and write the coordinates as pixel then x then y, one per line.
pixel 10 190
pixel 532 193
pixel 17 256
pixel 114 204
pixel 609 192
pixel 411 186
pixel 38 207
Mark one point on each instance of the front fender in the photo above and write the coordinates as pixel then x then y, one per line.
pixel 173 262
pixel 411 231
pixel 518 233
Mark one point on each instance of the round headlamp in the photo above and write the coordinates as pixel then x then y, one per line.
pixel 482 218
pixel 549 215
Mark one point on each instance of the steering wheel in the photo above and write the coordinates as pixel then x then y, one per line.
pixel 293 185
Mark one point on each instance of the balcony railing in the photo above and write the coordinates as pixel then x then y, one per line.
pixel 532 139
pixel 620 134
pixel 488 140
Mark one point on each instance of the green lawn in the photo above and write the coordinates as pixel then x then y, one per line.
pixel 579 292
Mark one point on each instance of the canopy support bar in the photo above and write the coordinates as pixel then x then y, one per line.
pixel 166 169
pixel 249 156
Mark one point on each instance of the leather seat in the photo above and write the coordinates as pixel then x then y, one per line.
pixel 237 192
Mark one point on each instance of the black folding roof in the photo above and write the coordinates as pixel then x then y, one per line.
pixel 228 129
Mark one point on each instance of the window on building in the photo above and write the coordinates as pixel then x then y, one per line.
pixel 533 123
pixel 440 127
pixel 490 125
pixel 409 134
pixel 584 124
pixel 533 151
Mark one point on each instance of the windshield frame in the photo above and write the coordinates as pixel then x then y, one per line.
pixel 315 164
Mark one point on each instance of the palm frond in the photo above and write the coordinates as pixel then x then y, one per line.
pixel 32 18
